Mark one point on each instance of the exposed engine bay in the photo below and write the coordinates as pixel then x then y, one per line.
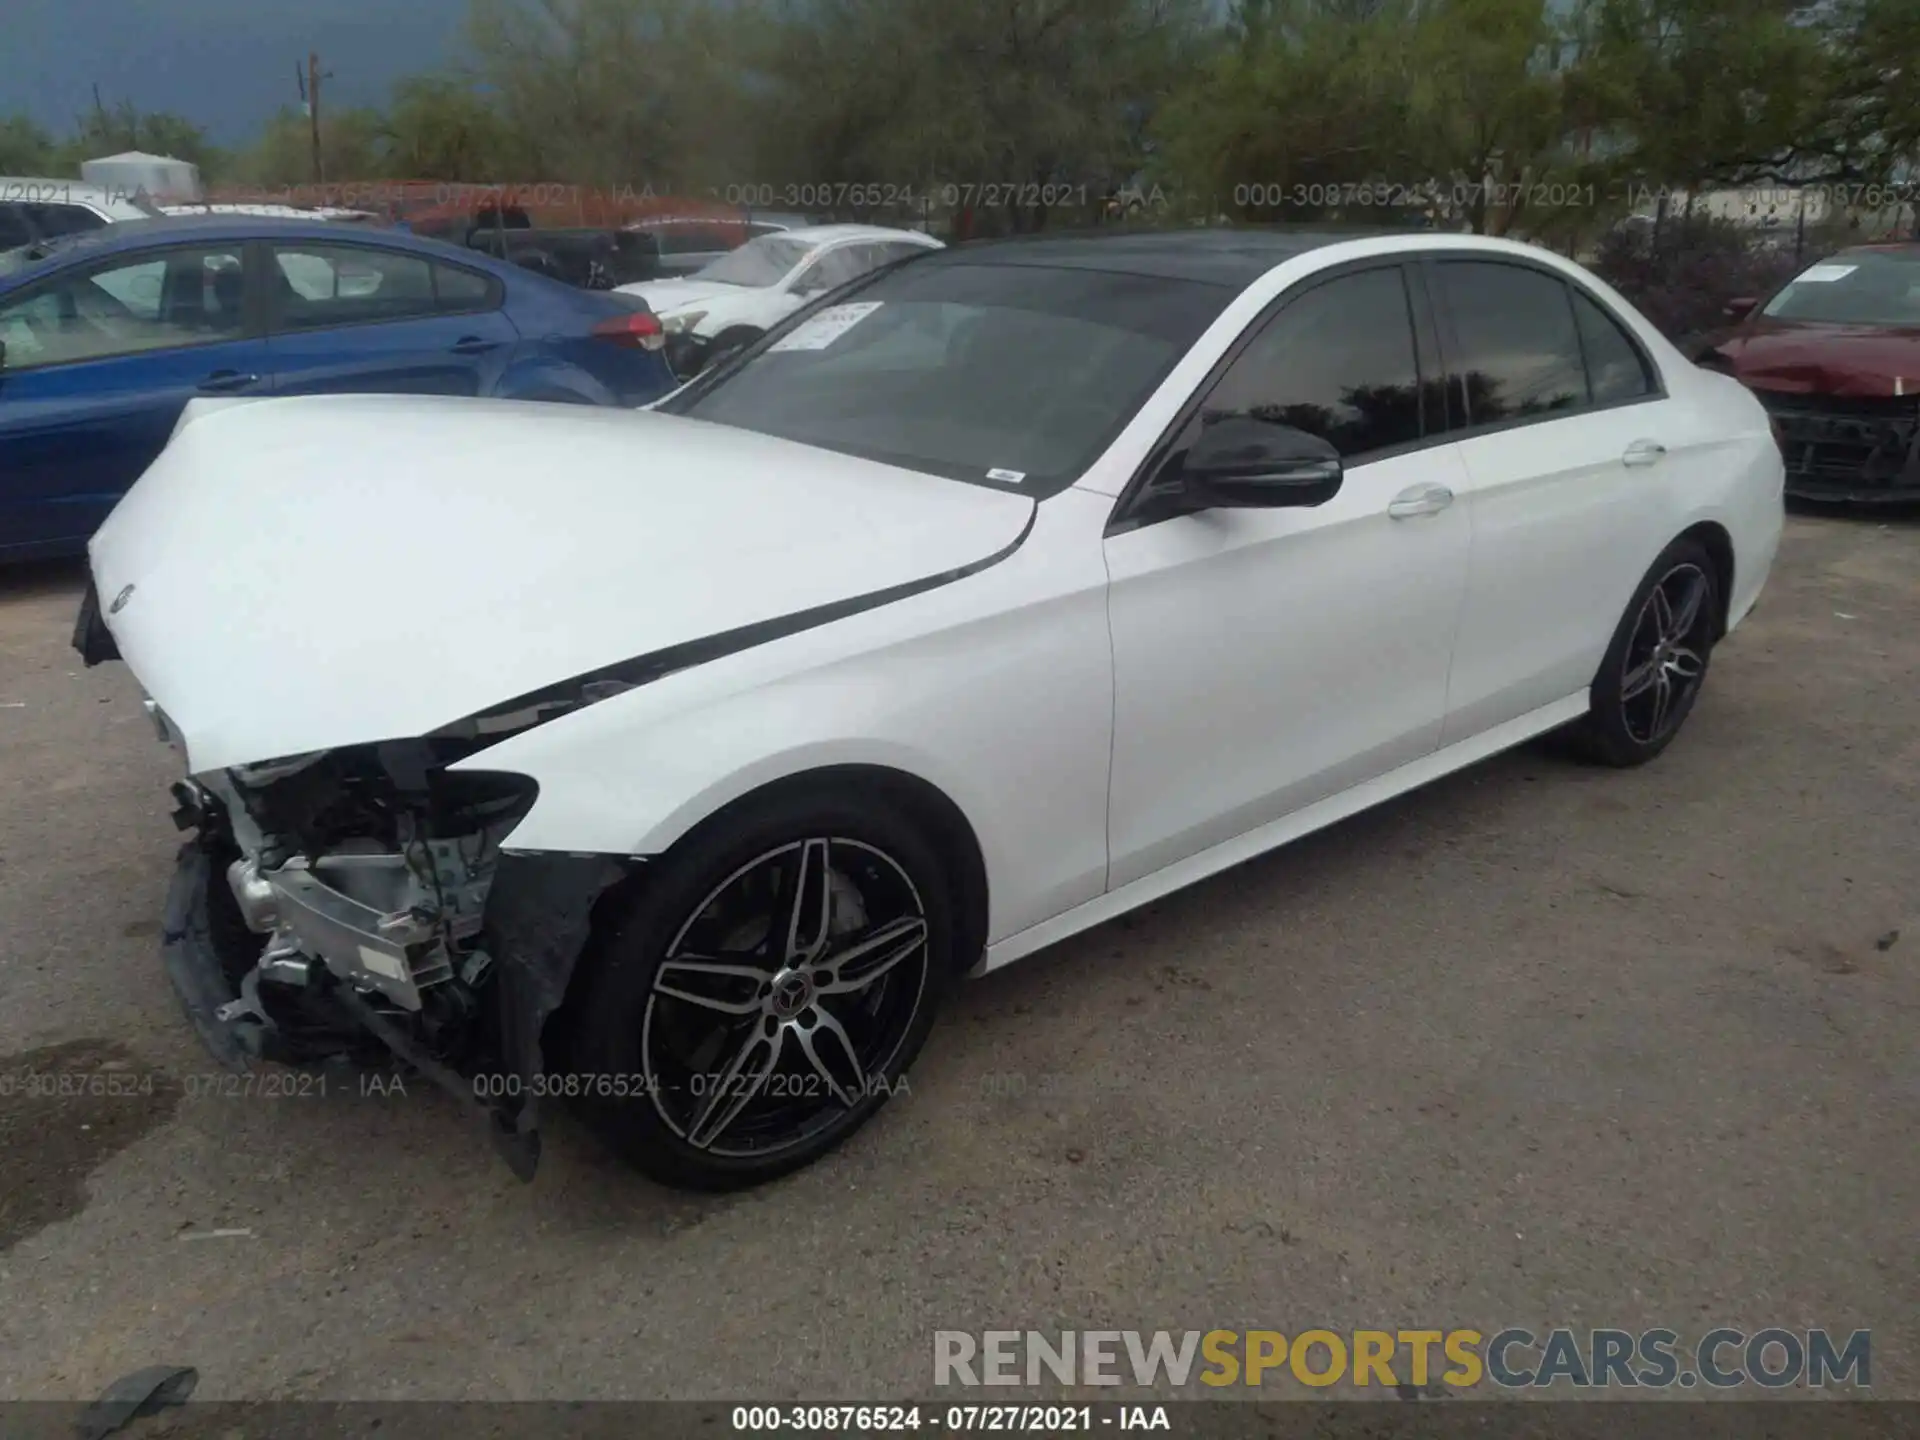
pixel 338 907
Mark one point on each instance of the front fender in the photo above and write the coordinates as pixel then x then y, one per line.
pixel 995 689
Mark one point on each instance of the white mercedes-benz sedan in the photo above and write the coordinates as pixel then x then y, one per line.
pixel 675 763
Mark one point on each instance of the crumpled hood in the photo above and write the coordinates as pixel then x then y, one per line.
pixel 295 575
pixel 665 297
pixel 1845 360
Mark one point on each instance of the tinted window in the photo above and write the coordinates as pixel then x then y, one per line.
pixel 1615 368
pixel 765 261
pixel 347 284
pixel 1337 362
pixel 462 289
pixel 691 240
pixel 63 219
pixel 1009 375
pixel 1519 354
pixel 14 230
pixel 831 269
pixel 178 297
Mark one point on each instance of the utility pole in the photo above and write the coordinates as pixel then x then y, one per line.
pixel 313 113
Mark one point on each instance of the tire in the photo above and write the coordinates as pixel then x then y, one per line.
pixel 697 1101
pixel 1640 698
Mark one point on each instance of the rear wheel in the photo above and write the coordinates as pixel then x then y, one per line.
pixel 1654 668
pixel 763 994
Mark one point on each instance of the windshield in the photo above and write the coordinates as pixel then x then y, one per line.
pixel 1013 376
pixel 761 262
pixel 1855 287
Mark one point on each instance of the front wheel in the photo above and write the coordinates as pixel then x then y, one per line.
pixel 1654 669
pixel 764 991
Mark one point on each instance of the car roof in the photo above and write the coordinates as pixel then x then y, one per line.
pixel 50 191
pixel 1228 256
pixel 138 234
pixel 827 234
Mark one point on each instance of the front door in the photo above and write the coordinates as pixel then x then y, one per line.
pixel 1266 659
pixel 100 360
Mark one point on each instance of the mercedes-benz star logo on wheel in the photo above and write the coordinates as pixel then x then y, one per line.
pixel 120 600
pixel 791 996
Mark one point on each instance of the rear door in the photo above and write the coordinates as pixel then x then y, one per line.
pixel 1570 447
pixel 350 318
pixel 100 360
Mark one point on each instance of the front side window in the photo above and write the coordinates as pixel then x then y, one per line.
pixel 322 285
pixel 831 269
pixel 1855 287
pixel 1011 376
pixel 187 296
pixel 757 263
pixel 1337 362
pixel 1519 353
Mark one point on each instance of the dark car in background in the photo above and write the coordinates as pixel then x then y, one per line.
pixel 109 334
pixel 1835 358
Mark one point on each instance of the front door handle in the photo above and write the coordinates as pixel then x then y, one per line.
pixel 1643 452
pixel 473 345
pixel 1420 500
pixel 222 382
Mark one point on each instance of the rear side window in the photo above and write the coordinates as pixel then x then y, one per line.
pixel 1518 352
pixel 1616 369
pixel 322 285
pixel 459 289
pixel 1338 362
pixel 14 230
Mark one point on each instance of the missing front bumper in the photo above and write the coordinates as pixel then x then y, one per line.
pixel 537 923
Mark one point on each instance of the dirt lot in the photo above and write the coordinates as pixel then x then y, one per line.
pixel 1539 1046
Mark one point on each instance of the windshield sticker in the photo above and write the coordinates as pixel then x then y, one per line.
pixel 1010 477
pixel 826 327
pixel 1821 274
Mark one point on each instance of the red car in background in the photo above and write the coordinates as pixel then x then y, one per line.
pixel 1835 358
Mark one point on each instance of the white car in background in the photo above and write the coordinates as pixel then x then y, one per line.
pixel 746 292
pixel 32 210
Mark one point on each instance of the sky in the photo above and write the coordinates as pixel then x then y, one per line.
pixel 226 65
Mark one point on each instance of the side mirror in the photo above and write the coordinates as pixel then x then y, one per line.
pixel 1240 463
pixel 1741 308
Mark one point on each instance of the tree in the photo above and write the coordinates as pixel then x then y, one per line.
pixel 27 149
pixel 630 92
pixel 350 148
pixel 1003 106
pixel 442 128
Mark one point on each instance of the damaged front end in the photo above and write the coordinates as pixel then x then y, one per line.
pixel 339 905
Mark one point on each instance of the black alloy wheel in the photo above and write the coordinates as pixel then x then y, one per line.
pixel 765 991
pixel 1657 663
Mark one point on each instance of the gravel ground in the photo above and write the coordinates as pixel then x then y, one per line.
pixel 1538 1046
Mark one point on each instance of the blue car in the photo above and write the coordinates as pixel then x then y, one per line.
pixel 108 334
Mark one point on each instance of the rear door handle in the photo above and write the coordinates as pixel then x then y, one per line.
pixel 1420 500
pixel 1643 452
pixel 474 345
pixel 222 382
